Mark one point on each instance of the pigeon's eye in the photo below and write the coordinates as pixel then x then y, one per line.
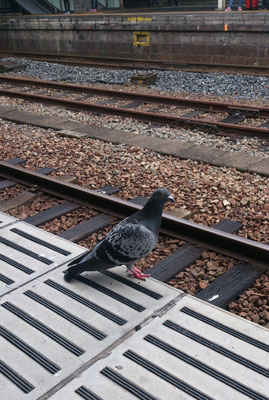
pixel 161 194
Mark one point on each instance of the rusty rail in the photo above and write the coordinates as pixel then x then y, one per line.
pixel 142 115
pixel 203 105
pixel 225 243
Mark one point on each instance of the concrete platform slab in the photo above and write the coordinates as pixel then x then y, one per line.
pixel 261 168
pixel 72 134
pixel 184 150
pixel 93 131
pixel 240 161
pixel 27 252
pixel 15 115
pixel 6 219
pixel 164 146
pixel 194 351
pixel 68 125
pixel 202 153
pixel 51 328
pixel 5 109
pixel 22 117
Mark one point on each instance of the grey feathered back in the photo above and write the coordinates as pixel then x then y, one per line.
pixel 132 239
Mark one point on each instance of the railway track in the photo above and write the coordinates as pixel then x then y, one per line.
pixel 253 257
pixel 219 118
pixel 120 63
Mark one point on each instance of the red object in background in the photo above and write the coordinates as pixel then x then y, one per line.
pixel 250 4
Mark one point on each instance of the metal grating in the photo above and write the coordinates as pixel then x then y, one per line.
pixel 50 329
pixel 133 285
pixel 40 241
pixel 86 394
pixel 203 367
pixel 34 354
pixel 225 328
pixel 27 252
pixel 6 219
pixel 16 264
pixel 106 313
pixel 126 384
pixel 166 376
pixel 111 293
pixel 177 356
pixel 64 325
pixel 220 349
pixel 65 314
pixel 6 280
pixel 44 329
pixel 17 379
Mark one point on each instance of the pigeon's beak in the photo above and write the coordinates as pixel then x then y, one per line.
pixel 170 198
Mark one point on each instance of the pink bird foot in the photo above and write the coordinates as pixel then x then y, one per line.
pixel 137 273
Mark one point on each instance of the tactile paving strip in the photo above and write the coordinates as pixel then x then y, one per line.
pixel 27 252
pixel 194 351
pixel 50 327
pixel 5 219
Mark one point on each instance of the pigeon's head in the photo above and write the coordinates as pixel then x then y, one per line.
pixel 163 195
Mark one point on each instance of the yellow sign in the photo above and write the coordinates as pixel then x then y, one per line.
pixel 226 27
pixel 141 39
pixel 139 18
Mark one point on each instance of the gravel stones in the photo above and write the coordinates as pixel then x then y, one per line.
pixel 197 187
pixel 179 83
pixel 238 86
pixel 204 271
pixel 210 193
pixel 254 304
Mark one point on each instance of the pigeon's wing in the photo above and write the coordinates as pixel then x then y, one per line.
pixel 127 242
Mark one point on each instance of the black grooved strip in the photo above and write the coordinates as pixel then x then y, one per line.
pixel 14 377
pixel 110 293
pixel 216 347
pixel 6 280
pixel 133 285
pixel 87 394
pixel 40 241
pixel 205 368
pixel 17 265
pixel 30 351
pixel 25 251
pixel 161 373
pixel 225 328
pixel 108 314
pixel 64 314
pixel 77 351
pixel 126 384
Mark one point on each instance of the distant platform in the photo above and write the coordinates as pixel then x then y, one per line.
pixel 146 11
pixel 144 35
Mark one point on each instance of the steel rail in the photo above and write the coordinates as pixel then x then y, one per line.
pixel 213 239
pixel 142 115
pixel 203 105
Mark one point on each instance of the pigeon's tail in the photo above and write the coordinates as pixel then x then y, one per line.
pixel 78 267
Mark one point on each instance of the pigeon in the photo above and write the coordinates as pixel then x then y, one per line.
pixel 132 239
